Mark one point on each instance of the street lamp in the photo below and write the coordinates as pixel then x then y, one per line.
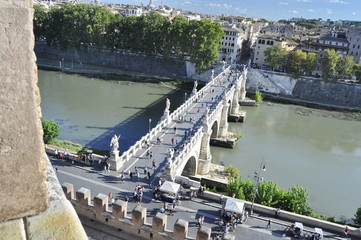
pixel 257 177
pixel 185 96
pixel 150 124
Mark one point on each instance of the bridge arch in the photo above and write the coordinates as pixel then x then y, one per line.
pixel 215 128
pixel 190 169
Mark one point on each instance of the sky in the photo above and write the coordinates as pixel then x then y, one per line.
pixel 268 9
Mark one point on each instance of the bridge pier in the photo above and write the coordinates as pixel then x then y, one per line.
pixel 205 157
pixel 223 126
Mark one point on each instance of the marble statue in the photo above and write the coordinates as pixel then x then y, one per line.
pixel 114 143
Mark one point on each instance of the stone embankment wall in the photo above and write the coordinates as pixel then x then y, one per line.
pixel 341 95
pixel 124 60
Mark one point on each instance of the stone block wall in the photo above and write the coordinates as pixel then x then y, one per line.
pixel 122 60
pixel 32 204
pixel 119 224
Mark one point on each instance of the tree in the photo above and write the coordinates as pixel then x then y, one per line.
pixel 267 194
pixel 296 200
pixel 51 130
pixel 357 71
pixel 329 64
pixel 357 218
pixel 310 63
pixel 346 67
pixel 232 172
pixel 276 57
pixel 40 16
pixel 295 61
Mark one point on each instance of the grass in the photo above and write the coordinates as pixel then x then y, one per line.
pixel 75 147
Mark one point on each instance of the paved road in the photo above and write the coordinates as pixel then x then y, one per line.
pixel 99 182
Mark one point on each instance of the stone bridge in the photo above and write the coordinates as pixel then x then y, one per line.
pixel 179 143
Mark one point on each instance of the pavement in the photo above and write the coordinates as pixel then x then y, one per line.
pixel 99 182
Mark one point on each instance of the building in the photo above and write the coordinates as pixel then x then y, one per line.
pixel 353 35
pixel 231 44
pixel 134 11
pixel 320 45
pixel 264 42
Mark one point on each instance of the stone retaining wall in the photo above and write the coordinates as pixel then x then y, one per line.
pixel 123 60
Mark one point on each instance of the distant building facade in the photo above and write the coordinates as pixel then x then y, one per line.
pixel 231 44
pixel 353 35
pixel 262 43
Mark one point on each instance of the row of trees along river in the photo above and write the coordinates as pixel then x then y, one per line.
pixel 83 25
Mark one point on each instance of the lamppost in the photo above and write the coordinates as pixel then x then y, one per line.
pixel 185 96
pixel 150 124
pixel 257 177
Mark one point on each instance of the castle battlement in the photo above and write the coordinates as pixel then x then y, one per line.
pixel 136 225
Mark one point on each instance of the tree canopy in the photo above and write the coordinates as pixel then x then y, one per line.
pixel 329 64
pixel 84 25
pixel 276 56
pixel 51 130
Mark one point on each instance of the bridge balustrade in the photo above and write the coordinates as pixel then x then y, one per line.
pixel 174 116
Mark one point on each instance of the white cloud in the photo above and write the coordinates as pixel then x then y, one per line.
pixel 283 3
pixel 215 5
pixel 241 10
pixel 294 11
pixel 304 1
pixel 188 2
pixel 353 13
pixel 228 6
pixel 329 11
pixel 337 1
pixel 310 10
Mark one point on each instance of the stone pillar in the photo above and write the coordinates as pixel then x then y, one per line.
pixel 159 223
pixel 68 190
pixel 114 160
pixel 235 102
pixel 203 233
pixel 223 126
pixel 139 215
pixel 83 197
pixel 243 87
pixel 101 203
pixel 180 229
pixel 119 209
pixel 227 236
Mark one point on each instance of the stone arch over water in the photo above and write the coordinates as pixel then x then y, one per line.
pixel 190 169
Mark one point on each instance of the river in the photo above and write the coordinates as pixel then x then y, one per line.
pixel 300 145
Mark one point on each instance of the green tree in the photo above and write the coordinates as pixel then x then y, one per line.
pixel 310 63
pixel 357 218
pixel 232 172
pixel 267 194
pixel 40 16
pixel 329 64
pixel 51 130
pixel 296 200
pixel 276 57
pixel 357 71
pixel 295 61
pixel 258 96
pixel 346 67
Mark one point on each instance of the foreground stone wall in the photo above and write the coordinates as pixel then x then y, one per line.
pixel 22 164
pixel 32 204
pixel 171 68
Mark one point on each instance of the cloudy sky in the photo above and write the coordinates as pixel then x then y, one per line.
pixel 269 9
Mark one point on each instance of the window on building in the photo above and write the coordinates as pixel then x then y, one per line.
pixel 232 44
pixel 233 39
pixel 260 41
pixel 263 41
pixel 256 58
pixel 351 53
pixel 257 53
pixel 356 53
pixel 271 42
pixel 358 40
pixel 226 38
pixel 354 46
pixel 358 47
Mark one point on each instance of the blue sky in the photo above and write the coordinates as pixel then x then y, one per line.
pixel 269 9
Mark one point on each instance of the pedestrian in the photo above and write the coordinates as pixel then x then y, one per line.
pixel 56 170
pixel 151 155
pixel 131 176
pixel 122 178
pixel 126 198
pixel 269 223
pixel 277 212
pixel 145 170
pixel 175 130
pixel 172 140
pixel 346 231
pixel 153 164
pixel 110 195
pixel 191 195
pixel 221 199
pixel 148 176
pixel 202 219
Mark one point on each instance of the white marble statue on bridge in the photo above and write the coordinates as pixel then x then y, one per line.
pixel 114 143
pixel 194 91
pixel 166 111
pixel 167 105
pixel 212 74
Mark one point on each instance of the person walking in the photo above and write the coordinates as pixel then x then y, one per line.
pixel 172 140
pixel 145 169
pixel 131 176
pixel 346 231
pixel 153 164
pixel 269 223
pixel 148 176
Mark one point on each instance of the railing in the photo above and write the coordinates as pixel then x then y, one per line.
pixel 174 116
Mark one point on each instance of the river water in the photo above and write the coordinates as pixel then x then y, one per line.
pixel 300 145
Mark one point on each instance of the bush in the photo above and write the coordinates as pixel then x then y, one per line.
pixel 51 130
pixel 232 172
pixel 258 96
